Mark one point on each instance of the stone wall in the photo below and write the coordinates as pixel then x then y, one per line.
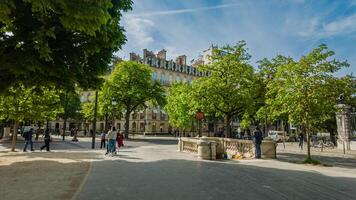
pixel 212 148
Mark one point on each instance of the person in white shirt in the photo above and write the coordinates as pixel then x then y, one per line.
pixel 111 137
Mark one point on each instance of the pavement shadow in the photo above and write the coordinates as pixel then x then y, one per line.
pixel 41 180
pixel 184 179
pixel 328 160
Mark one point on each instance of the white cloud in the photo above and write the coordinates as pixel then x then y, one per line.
pixel 180 11
pixel 139 30
pixel 342 26
pixel 315 28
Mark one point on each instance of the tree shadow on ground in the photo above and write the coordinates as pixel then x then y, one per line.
pixel 346 162
pixel 183 179
pixel 41 179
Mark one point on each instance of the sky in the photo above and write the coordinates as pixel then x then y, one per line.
pixel 270 27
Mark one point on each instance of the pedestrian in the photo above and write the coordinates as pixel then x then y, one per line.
pixel 301 140
pixel 47 140
pixel 120 139
pixel 258 140
pixel 103 140
pixel 111 136
pixel 28 140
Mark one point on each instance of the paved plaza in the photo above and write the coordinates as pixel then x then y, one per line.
pixel 152 168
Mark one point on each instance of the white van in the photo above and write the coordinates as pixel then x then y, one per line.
pixel 277 135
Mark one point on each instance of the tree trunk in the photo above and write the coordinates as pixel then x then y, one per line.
pixel 47 123
pixel 106 121
pixel 228 126
pixel 308 144
pixel 127 124
pixel 14 135
pixel 64 128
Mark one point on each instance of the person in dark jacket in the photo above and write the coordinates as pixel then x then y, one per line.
pixel 301 140
pixel 258 140
pixel 47 140
pixel 28 140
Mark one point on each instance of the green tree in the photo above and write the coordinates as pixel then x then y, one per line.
pixel 230 88
pixel 303 90
pixel 70 103
pixel 34 103
pixel 131 86
pixel 181 105
pixel 65 42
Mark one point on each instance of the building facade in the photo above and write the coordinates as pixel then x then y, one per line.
pixel 151 120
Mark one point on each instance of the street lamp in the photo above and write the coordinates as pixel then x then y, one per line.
pixel 113 103
pixel 94 120
pixel 199 116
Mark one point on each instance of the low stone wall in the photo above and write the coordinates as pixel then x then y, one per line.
pixel 189 145
pixel 213 147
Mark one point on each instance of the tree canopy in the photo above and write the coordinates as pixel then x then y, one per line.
pixel 65 42
pixel 131 87
pixel 181 105
pixel 230 88
pixel 305 90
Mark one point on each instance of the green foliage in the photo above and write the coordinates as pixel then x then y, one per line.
pixel 306 91
pixel 311 161
pixel 33 103
pixel 64 42
pixel 231 88
pixel 70 103
pixel 131 86
pixel 181 105
pixel 246 121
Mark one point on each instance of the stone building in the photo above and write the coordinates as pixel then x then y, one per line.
pixel 151 120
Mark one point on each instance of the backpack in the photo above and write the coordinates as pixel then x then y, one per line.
pixel 24 135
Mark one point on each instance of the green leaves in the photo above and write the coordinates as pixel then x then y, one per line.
pixel 62 42
pixel 304 90
pixel 130 85
pixel 181 105
pixel 30 103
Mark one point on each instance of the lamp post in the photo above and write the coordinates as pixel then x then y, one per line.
pixel 113 103
pixel 199 116
pixel 94 120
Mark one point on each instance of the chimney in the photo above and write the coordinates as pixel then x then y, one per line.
pixel 181 60
pixel 162 54
pixel 147 53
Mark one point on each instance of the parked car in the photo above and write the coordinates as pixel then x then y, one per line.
pixel 277 136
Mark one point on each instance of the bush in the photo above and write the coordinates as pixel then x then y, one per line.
pixel 311 161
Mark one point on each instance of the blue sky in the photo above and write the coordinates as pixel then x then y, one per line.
pixel 270 27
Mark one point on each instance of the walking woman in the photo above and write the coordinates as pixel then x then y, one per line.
pixel 47 140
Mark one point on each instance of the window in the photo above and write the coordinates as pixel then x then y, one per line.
pixel 142 127
pixel 134 115
pixel 154 76
pixel 162 79
pixel 142 115
pixel 154 127
pixel 133 127
pixel 154 114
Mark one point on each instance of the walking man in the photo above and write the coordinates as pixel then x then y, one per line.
pixel 258 140
pixel 47 140
pixel 301 140
pixel 28 140
pixel 103 140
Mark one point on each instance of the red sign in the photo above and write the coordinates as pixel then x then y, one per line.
pixel 199 115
